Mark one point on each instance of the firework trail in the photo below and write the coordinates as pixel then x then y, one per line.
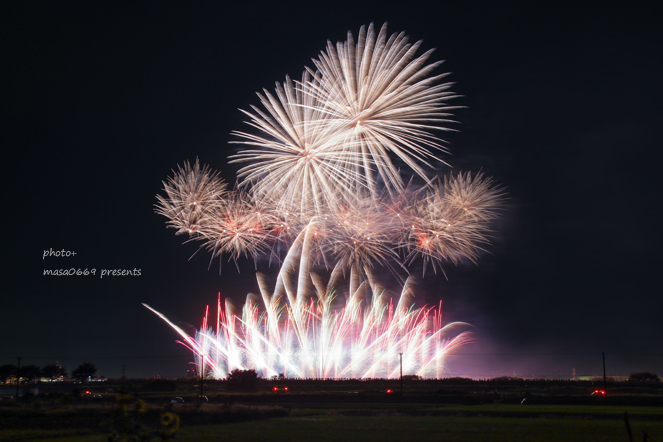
pixel 319 183
pixel 298 333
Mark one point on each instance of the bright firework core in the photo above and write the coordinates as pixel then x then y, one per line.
pixel 321 184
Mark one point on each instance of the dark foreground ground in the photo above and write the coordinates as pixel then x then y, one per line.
pixel 444 410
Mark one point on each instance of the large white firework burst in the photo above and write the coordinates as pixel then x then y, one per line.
pixel 328 138
pixel 380 99
pixel 298 165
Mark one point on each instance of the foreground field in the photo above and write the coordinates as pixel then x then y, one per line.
pixel 420 429
pixel 350 410
pixel 491 422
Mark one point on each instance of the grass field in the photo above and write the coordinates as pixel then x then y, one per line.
pixel 421 429
pixel 351 410
pixel 490 422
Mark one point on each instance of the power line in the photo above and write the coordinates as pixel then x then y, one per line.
pixel 105 358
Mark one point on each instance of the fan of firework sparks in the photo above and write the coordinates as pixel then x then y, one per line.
pixel 319 186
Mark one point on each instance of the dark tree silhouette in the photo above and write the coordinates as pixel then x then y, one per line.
pixel 7 371
pixel 643 377
pixel 246 380
pixel 84 371
pixel 30 373
pixel 55 371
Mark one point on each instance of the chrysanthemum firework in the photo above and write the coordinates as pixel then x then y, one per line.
pixel 329 137
pixel 451 221
pixel 380 99
pixel 298 164
pixel 361 236
pixel 444 221
pixel 193 198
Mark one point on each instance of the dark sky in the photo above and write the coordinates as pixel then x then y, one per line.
pixel 102 99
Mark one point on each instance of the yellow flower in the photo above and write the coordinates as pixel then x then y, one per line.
pixel 170 422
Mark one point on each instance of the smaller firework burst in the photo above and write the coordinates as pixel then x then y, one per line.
pixel 193 198
pixel 445 221
pixel 451 220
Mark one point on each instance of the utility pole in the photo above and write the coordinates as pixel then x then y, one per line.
pixel 18 376
pixel 401 355
pixel 202 377
pixel 605 384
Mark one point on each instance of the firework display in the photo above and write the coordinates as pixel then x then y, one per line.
pixel 301 333
pixel 321 187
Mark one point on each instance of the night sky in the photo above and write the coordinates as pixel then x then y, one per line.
pixel 102 99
